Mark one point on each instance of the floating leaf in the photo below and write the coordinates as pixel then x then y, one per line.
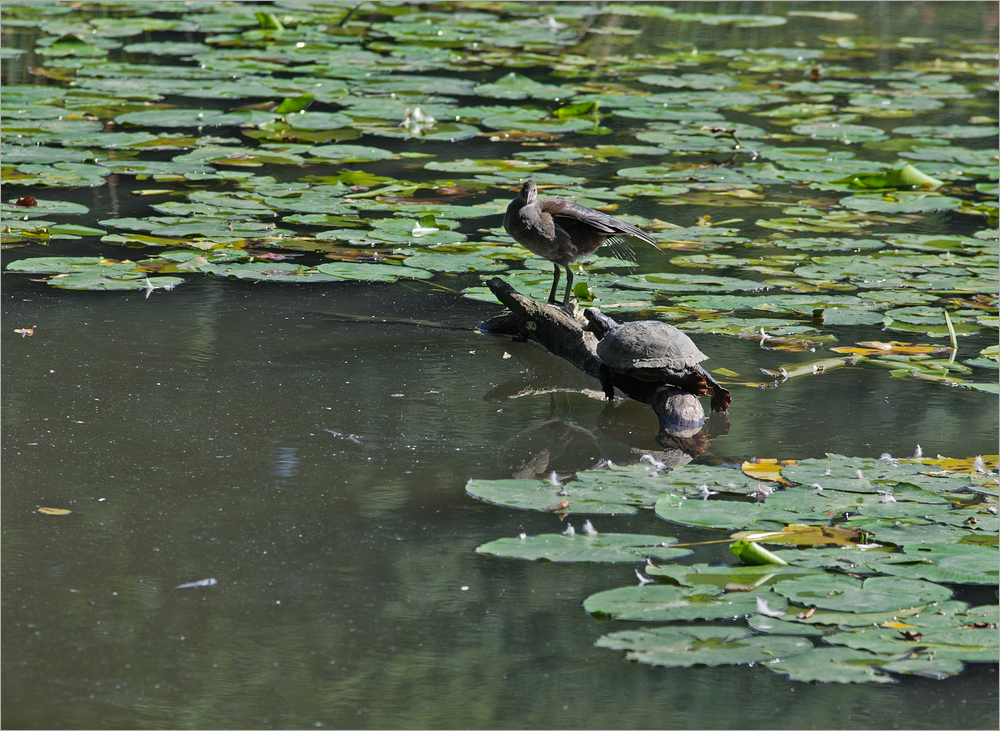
pixel 516 86
pixel 846 594
pixel 832 665
pixel 684 647
pixel 296 104
pixel 901 202
pixel 945 563
pixel 658 603
pixel 599 547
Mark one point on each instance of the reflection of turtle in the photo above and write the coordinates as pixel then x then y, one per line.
pixel 562 231
pixel 652 351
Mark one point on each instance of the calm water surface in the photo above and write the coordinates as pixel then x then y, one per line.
pixel 314 466
pixel 307 448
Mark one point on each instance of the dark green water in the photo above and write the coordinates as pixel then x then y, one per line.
pixel 308 451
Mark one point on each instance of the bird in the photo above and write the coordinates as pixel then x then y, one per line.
pixel 562 231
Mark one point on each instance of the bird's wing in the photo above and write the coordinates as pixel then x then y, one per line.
pixel 621 249
pixel 560 208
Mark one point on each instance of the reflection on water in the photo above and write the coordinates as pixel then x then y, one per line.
pixel 314 467
pixel 285 465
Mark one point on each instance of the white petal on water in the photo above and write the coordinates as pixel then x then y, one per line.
pixel 704 492
pixel 643 580
pixel 762 608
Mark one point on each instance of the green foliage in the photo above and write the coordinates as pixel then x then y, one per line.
pixel 876 575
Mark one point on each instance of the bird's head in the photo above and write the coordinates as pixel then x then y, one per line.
pixel 529 192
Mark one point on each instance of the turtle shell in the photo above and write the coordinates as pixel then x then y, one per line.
pixel 648 344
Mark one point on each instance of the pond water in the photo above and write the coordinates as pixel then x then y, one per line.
pixel 307 446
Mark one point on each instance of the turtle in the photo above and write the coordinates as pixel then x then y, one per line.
pixel 562 231
pixel 652 351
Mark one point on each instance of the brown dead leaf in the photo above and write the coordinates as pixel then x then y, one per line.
pixel 806 535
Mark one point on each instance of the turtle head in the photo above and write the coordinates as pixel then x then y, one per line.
pixel 598 323
pixel 529 192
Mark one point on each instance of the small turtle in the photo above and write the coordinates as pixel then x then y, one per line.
pixel 562 231
pixel 652 351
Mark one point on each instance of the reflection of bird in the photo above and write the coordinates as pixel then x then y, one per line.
pixel 562 231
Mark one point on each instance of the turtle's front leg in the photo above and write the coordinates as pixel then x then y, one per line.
pixel 606 383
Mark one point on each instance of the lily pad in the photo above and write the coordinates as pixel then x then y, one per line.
pixel 945 563
pixel 586 547
pixel 846 594
pixel 658 603
pixel 834 665
pixel 684 647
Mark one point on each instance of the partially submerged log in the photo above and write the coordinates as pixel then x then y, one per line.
pixel 552 327
pixel 680 414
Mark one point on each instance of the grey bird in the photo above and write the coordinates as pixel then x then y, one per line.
pixel 562 231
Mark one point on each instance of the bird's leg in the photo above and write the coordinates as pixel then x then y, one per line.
pixel 569 285
pixel 555 284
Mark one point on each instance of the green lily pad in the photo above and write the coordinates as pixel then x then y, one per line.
pixel 61 264
pixel 190 118
pixel 684 647
pixel 105 281
pixel 594 548
pixel 614 491
pixel 58 175
pixel 839 131
pixel 718 576
pixel 945 563
pixel 901 202
pixel 846 594
pixel 955 644
pixel 348 153
pixel 658 603
pixel 833 665
pixel 372 272
pixel 517 86
pixel 269 271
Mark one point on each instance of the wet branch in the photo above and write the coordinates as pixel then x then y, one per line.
pixel 679 413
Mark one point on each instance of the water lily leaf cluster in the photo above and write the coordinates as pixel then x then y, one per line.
pixel 845 569
pixel 786 204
